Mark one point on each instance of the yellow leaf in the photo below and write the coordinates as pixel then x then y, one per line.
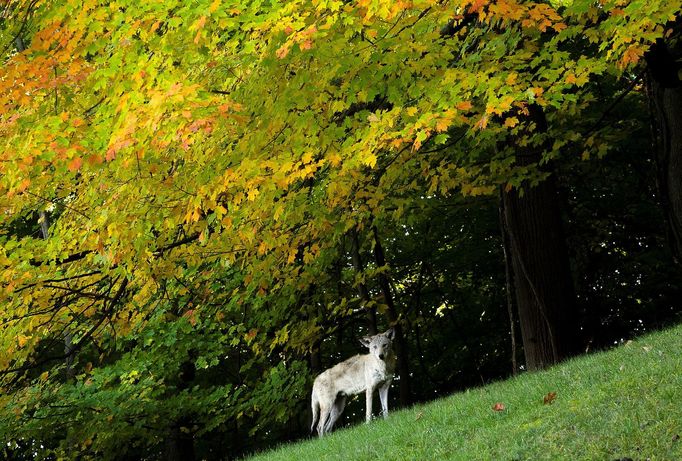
pixel 370 159
pixel 292 255
pixel 22 340
pixel 278 212
pixel 44 375
pixel 335 159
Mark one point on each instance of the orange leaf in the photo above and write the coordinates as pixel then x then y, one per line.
pixel 75 164
pixel 189 315
pixel 283 51
pixel 24 185
pixel 498 407
pixel 631 55
pixel 477 5
pixel 306 45
pixel 549 398
pixel 464 105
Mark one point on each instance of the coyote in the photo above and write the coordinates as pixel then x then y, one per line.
pixel 363 372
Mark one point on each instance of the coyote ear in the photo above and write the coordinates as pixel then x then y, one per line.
pixel 366 340
pixel 390 333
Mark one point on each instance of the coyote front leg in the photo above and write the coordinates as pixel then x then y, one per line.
pixel 368 403
pixel 383 395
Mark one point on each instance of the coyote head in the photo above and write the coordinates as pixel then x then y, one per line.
pixel 379 345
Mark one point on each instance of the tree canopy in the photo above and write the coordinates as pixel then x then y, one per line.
pixel 206 172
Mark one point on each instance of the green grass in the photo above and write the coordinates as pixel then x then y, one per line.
pixel 624 403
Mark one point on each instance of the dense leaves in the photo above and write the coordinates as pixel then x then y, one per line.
pixel 203 166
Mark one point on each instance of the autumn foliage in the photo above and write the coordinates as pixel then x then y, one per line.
pixel 200 165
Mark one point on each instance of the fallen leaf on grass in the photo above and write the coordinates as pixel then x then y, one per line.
pixel 419 416
pixel 498 407
pixel 549 398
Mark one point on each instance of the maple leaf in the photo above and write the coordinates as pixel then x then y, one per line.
pixel 370 159
pixel 464 105
pixel 283 51
pixel 549 398
pixel 190 316
pixel 477 5
pixel 22 340
pixel 631 55
pixel 306 45
pixel 75 164
pixel 23 185
pixel 334 159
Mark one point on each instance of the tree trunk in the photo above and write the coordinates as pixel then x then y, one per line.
pixel 545 296
pixel 508 283
pixel 665 95
pixel 392 314
pixel 180 444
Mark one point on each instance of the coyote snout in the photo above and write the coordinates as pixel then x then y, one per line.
pixel 360 373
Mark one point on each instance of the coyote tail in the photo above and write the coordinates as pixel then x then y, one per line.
pixel 315 403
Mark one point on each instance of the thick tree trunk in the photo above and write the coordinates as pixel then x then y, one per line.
pixel 392 314
pixel 665 95
pixel 180 444
pixel 545 296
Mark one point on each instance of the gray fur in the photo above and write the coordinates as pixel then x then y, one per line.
pixel 365 372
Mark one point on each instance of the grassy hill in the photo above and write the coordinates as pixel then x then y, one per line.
pixel 624 404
